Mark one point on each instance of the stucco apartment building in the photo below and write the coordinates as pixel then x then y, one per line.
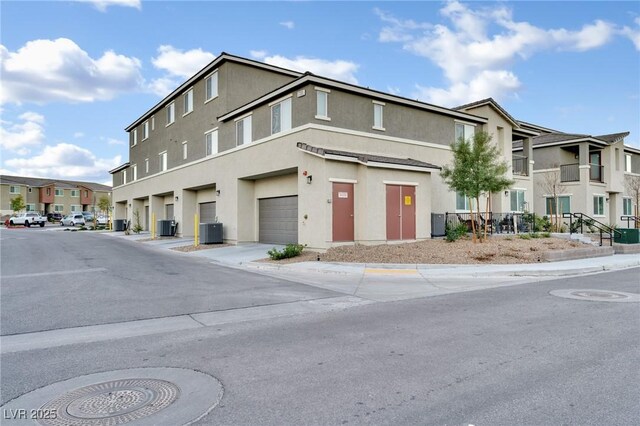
pixel 50 195
pixel 279 156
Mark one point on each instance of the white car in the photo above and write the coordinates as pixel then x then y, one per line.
pixel 102 220
pixel 72 220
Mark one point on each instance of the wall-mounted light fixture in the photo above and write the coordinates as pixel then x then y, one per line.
pixel 218 192
pixel 506 193
pixel 176 198
pixel 309 179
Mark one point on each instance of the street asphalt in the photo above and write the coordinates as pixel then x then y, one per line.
pixel 290 352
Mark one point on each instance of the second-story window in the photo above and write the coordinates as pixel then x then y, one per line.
pixel 162 160
pixel 14 190
pixel 281 116
pixel 211 142
pixel 171 113
pixel 322 103
pixel 184 150
pixel 188 102
pixel 378 115
pixel 211 86
pixel 146 165
pixel 465 131
pixel 75 192
pixel 134 137
pixel 145 130
pixel 243 131
pixel 627 163
pixel 124 176
pixel 59 193
pixel 135 172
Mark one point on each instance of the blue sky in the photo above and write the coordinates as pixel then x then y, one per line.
pixel 75 74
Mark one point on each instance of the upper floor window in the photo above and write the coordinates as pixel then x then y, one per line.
pixel 517 200
pixel 281 116
pixel 48 191
pixel 211 142
pixel 86 194
pixel 124 177
pixel 627 209
pixel 146 165
pixel 243 131
pixel 211 86
pixel 378 115
pixel 171 113
pixel 134 137
pixel 322 103
pixel 162 160
pixel 188 102
pixel 598 205
pixel 135 172
pixel 145 130
pixel 59 192
pixel 184 150
pixel 465 131
pixel 627 163
pixel 30 189
pixel 75 192
pixel 14 190
pixel 153 122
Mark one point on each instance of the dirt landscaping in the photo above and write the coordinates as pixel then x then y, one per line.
pixel 495 250
pixel 188 249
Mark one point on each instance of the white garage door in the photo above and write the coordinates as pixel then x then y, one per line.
pixel 278 220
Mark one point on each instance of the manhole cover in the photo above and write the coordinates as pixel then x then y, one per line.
pixel 111 403
pixel 597 295
pixel 139 396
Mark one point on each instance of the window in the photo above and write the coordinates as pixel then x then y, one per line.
pixel 145 130
pixel 211 142
pixel 564 205
pixel 75 208
pixel 462 202
pixel 58 208
pixel 30 189
pixel 134 137
pixel 378 115
pixel 31 207
pixel 171 113
pixel 48 191
pixel 162 157
pixel 627 163
pixel 86 194
pixel 243 131
pixel 188 102
pixel 322 107
pixel 184 150
pixel 135 172
pixel 626 207
pixel 517 200
pixel 124 176
pixel 211 86
pixel 146 165
pixel 59 192
pixel 281 117
pixel 598 205
pixel 14 190
pixel 75 192
pixel 465 131
pixel 153 122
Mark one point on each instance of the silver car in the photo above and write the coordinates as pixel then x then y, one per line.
pixel 72 220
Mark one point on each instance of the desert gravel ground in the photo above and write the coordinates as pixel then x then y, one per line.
pixel 495 250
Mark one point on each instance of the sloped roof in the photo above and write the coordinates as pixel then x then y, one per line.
pixel 367 158
pixel 613 137
pixel 40 182
pixel 493 103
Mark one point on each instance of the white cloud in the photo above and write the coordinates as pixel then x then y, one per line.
pixel 475 59
pixel 21 137
pixel 64 161
pixel 102 5
pixel 163 86
pixel 288 24
pixel 59 70
pixel 633 33
pixel 113 141
pixel 258 54
pixel 181 64
pixel 339 69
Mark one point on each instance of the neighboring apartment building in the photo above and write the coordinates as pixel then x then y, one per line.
pixel 589 172
pixel 279 157
pixel 51 195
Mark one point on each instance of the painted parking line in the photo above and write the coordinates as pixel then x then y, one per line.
pixel 384 271
pixel 46 274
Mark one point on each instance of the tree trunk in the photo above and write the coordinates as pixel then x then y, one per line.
pixel 473 222
pixel 486 216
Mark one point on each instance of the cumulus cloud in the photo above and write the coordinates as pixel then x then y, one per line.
pixel 475 59
pixel 64 161
pixel 338 69
pixel 258 54
pixel 633 33
pixel 59 70
pixel 102 5
pixel 178 65
pixel 288 24
pixel 21 137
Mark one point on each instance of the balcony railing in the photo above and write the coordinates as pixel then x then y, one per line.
pixel 570 172
pixel 596 173
pixel 520 166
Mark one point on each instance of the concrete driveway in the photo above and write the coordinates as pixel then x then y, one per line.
pixel 239 254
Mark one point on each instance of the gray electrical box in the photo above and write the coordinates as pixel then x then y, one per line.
pixel 438 225
pixel 210 233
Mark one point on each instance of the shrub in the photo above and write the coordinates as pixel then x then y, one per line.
pixel 524 236
pixel 454 233
pixel 546 235
pixel 291 250
pixel 535 235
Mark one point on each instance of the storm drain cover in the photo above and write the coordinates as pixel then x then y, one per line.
pixel 597 295
pixel 142 396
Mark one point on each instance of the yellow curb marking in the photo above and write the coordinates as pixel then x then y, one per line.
pixel 391 271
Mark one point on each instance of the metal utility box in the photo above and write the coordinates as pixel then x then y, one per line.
pixel 210 233
pixel 166 228
pixel 119 225
pixel 438 225
pixel 627 236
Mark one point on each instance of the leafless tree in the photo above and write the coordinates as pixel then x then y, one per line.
pixel 632 184
pixel 552 184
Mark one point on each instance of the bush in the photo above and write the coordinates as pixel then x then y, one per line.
pixel 535 235
pixel 546 235
pixel 524 236
pixel 453 233
pixel 291 250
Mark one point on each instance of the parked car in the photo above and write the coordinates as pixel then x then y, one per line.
pixel 72 220
pixel 88 216
pixel 27 219
pixel 54 217
pixel 102 220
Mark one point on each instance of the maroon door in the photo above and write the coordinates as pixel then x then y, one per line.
pixel 401 212
pixel 342 211
pixel 393 212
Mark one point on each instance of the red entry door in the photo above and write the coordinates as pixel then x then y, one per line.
pixel 342 211
pixel 401 212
